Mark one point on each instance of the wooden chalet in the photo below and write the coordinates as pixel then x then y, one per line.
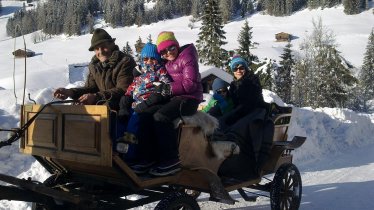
pixel 283 37
pixel 21 53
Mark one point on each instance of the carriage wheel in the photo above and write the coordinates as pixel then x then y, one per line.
pixel 286 188
pixel 178 200
pixel 193 193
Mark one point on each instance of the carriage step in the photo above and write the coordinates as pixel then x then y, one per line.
pixel 296 142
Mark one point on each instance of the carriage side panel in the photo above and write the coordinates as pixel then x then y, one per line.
pixel 73 133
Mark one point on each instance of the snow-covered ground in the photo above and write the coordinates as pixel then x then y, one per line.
pixel 336 162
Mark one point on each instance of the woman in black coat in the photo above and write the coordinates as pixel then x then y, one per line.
pixel 246 125
pixel 245 90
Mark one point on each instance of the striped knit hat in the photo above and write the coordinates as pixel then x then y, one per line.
pixel 150 50
pixel 166 39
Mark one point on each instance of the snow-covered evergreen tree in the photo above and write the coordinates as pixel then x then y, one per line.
pixel 284 7
pixel 283 78
pixel 265 71
pixel 182 7
pixel 352 7
pixel 139 44
pixel 245 42
pixel 331 3
pixel 313 4
pixel 139 20
pixel 321 76
pixel 149 39
pixel 226 10
pixel 367 73
pixel 338 79
pixel 196 8
pixel 1 6
pixel 211 36
pixel 127 49
pixel 90 22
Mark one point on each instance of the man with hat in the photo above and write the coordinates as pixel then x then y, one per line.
pixel 110 73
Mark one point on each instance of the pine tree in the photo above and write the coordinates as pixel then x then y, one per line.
pixel 149 39
pixel 367 73
pixel 90 22
pixel 245 43
pixel 139 44
pixel 226 10
pixel 128 14
pixel 338 80
pixel 287 7
pixel 127 49
pixel 321 78
pixel 265 73
pixel 138 12
pixel 183 7
pixel 313 4
pixel 351 7
pixel 331 3
pixel 1 6
pixel 211 36
pixel 196 8
pixel 283 79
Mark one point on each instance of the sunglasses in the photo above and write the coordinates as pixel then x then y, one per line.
pixel 169 49
pixel 239 68
pixel 220 91
pixel 145 59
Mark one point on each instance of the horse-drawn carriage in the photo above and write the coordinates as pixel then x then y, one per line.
pixel 73 143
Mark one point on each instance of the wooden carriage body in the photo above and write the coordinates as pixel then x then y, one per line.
pixel 76 139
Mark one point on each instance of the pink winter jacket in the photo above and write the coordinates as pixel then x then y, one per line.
pixel 184 71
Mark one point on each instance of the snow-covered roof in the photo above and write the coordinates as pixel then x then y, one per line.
pixel 218 73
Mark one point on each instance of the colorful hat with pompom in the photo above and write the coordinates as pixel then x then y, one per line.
pixel 166 39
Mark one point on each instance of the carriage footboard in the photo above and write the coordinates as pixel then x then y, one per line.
pixel 296 142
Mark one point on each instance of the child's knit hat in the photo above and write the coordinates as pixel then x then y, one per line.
pixel 236 61
pixel 218 84
pixel 150 50
pixel 166 39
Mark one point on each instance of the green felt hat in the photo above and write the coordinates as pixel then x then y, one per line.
pixel 100 36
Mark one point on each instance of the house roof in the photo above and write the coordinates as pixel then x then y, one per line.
pixel 282 33
pixel 27 50
pixel 218 73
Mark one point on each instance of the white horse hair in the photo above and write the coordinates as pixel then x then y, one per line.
pixel 208 124
pixel 205 121
pixel 224 149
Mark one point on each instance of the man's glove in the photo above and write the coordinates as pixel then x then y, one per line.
pixel 163 88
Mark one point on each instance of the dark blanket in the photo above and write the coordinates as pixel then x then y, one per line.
pixel 254 134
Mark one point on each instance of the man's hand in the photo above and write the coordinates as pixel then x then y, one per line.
pixel 63 93
pixel 88 99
